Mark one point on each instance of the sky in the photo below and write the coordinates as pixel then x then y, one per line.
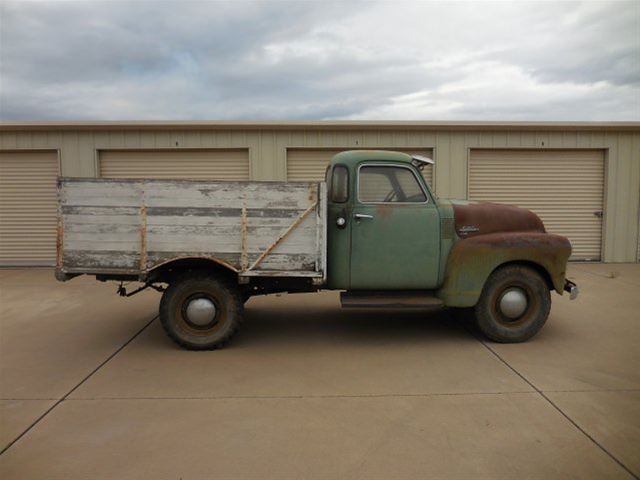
pixel 307 60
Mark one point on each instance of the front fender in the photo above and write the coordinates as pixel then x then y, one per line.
pixel 472 260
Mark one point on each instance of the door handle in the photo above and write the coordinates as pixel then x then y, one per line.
pixel 362 215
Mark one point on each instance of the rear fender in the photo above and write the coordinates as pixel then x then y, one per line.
pixel 472 260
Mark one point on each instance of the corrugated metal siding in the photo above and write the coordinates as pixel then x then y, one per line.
pixel 564 188
pixel 28 208
pixel 176 164
pixel 268 151
pixel 311 164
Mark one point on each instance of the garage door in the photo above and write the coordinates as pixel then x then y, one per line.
pixel 181 164
pixel 28 208
pixel 310 165
pixel 565 188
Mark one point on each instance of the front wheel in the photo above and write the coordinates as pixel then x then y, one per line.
pixel 200 312
pixel 514 304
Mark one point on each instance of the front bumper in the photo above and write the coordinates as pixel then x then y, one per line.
pixel 572 288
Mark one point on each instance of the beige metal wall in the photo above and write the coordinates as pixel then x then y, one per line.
pixel 219 164
pixel 267 149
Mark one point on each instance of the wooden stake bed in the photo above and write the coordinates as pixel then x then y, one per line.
pixel 273 229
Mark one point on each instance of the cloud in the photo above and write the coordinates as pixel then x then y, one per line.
pixel 320 60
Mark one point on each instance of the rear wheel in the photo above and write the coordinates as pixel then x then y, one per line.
pixel 514 304
pixel 200 312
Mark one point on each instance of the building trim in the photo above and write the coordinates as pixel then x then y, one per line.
pixel 319 125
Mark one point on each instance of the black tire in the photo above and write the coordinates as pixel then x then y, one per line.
pixel 499 327
pixel 192 286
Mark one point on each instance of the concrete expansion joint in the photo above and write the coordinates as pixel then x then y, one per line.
pixel 302 397
pixel 309 397
pixel 556 407
pixel 78 385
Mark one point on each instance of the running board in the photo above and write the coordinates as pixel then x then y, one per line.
pixel 387 299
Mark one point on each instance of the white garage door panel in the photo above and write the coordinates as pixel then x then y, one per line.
pixel 28 209
pixel 310 165
pixel 178 164
pixel 564 188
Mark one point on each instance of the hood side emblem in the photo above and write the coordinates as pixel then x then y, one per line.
pixel 467 229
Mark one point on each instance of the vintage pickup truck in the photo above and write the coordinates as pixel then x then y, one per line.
pixel 373 230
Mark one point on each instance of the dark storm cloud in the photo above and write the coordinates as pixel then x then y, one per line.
pixel 316 60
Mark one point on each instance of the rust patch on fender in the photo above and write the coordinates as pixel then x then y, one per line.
pixel 472 260
pixel 487 218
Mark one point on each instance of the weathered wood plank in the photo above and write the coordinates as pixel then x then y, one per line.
pixel 72 243
pixel 83 188
pixel 104 259
pixel 104 230
pixel 282 238
pixel 274 262
pixel 180 221
pixel 177 199
pixel 256 231
pixel 98 239
pixel 202 243
pixel 101 220
pixel 94 229
pixel 103 200
pixel 217 212
pixel 98 210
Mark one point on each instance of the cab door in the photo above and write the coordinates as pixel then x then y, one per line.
pixel 395 230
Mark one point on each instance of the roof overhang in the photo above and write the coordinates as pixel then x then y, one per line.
pixel 318 125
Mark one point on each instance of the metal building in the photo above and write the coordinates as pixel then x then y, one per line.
pixel 583 179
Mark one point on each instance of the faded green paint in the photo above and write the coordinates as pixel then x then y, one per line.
pixel 415 245
pixel 472 260
pixel 338 247
pixel 397 249
pixel 448 235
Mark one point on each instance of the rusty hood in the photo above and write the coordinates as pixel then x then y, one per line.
pixel 481 218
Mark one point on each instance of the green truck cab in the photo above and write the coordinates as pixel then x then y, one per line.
pixel 389 233
pixel 373 230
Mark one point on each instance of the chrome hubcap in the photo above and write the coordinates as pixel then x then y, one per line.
pixel 201 311
pixel 513 303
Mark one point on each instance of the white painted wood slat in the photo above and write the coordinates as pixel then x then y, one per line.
pixel 103 221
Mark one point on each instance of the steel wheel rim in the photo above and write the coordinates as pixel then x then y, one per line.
pixel 200 311
pixel 513 303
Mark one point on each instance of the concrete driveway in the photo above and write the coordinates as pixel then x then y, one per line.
pixel 92 388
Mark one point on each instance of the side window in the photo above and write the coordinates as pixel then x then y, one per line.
pixel 388 184
pixel 409 186
pixel 340 184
